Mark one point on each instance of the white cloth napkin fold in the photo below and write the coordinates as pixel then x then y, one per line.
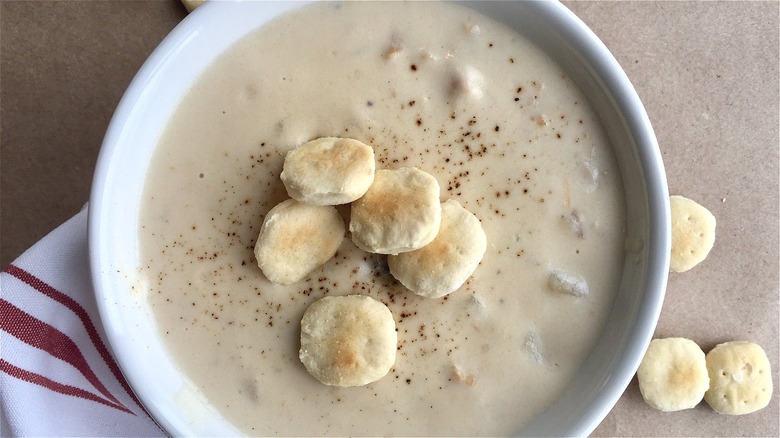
pixel 57 374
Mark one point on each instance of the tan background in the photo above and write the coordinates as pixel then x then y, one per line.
pixel 707 73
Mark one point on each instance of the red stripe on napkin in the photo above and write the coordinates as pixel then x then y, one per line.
pixel 44 288
pixel 38 334
pixel 47 383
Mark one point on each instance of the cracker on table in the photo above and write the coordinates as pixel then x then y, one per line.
pixel 673 374
pixel 693 233
pixel 192 4
pixel 740 378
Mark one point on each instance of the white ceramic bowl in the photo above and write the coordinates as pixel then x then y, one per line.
pixel 199 39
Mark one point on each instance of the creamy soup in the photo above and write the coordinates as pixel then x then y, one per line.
pixel 435 86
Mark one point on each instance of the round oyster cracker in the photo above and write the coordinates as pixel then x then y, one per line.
pixel 328 171
pixel 740 378
pixel 673 374
pixel 442 266
pixel 348 340
pixel 297 238
pixel 400 212
pixel 693 233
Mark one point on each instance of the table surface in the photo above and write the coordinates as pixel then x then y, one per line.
pixel 706 72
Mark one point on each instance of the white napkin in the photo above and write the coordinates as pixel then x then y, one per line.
pixel 57 375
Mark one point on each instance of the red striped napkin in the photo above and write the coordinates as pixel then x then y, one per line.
pixel 57 375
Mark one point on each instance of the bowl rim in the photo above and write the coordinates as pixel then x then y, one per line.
pixel 603 64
